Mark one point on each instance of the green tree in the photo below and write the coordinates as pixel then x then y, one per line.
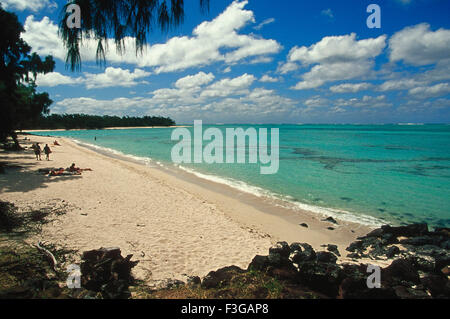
pixel 18 71
pixel 117 19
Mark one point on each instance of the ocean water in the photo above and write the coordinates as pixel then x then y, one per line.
pixel 372 174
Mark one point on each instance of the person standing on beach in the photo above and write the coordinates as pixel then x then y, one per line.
pixel 47 151
pixel 37 151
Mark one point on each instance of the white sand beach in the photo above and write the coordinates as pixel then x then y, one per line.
pixel 173 226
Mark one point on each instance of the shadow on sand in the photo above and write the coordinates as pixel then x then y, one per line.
pixel 24 177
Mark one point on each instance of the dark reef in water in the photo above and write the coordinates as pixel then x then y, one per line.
pixel 304 151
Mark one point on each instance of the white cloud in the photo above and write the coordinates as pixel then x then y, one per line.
pixel 323 73
pixel 334 58
pixel 54 79
pixel 287 67
pixel 350 87
pixel 404 2
pixel 261 59
pixel 42 36
pixel 430 91
pixel 204 47
pixel 227 86
pixel 32 5
pixel 338 49
pixel 366 101
pixel 316 101
pixel 328 12
pixel 268 79
pixel 112 77
pixel 194 81
pixel 267 21
pixel 418 45
pixel 399 84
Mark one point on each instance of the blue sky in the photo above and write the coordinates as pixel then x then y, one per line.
pixel 262 61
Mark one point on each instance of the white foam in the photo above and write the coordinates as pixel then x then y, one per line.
pixel 288 201
pixel 145 160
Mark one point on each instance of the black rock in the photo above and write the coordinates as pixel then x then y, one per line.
pixel 276 260
pixel 445 244
pixel 357 289
pixel 392 251
pixel 420 241
pixel 104 270
pixel 259 263
pixel 326 257
pixel 330 219
pixel 374 233
pixel 97 254
pixel 304 225
pixel 288 272
pixel 279 255
pixel 422 264
pixel 282 249
pixel 408 230
pixel 194 280
pixel 333 249
pixel 220 277
pixel 442 231
pixel 355 246
pixel 296 247
pixel 442 261
pixel 322 277
pixel 306 254
pixel 378 249
pixel 354 286
pixel 389 239
pixel 437 285
pixel 410 293
pixel 401 271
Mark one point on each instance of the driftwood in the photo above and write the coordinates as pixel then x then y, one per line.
pixel 51 258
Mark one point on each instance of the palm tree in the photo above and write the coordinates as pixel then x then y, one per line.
pixel 118 19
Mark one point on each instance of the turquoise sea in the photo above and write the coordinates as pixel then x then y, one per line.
pixel 370 173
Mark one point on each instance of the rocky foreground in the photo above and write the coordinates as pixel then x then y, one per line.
pixel 418 268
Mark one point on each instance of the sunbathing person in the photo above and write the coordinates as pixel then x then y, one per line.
pixel 56 172
pixel 62 171
pixel 56 143
pixel 73 168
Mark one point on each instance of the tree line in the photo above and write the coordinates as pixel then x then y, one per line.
pixel 85 121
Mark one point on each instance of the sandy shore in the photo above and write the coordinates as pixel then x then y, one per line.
pixel 176 226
